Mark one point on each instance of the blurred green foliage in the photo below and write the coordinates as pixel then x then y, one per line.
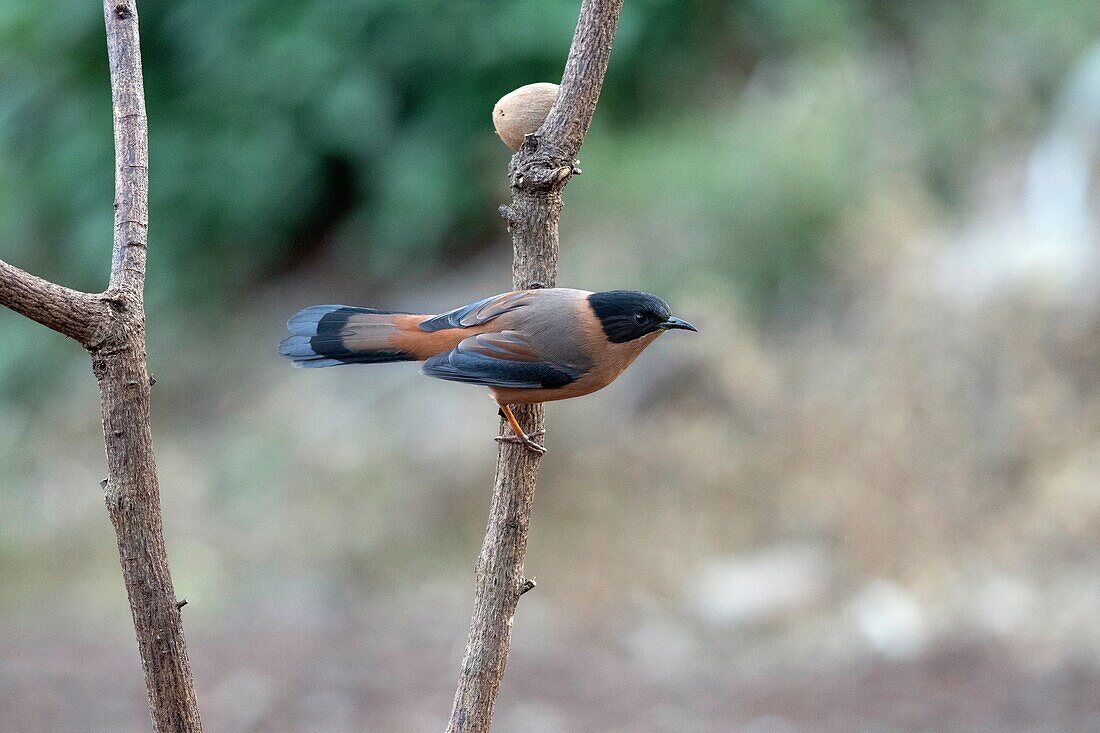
pixel 356 133
pixel 282 128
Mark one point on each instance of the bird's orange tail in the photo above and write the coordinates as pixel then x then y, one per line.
pixel 330 335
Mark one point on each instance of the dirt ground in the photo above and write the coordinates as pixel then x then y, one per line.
pixel 357 674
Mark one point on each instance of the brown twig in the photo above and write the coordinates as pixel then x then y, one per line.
pixel 538 173
pixel 111 326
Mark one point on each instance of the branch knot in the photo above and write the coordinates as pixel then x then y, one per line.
pixel 539 172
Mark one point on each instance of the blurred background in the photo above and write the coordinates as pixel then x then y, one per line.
pixel 866 497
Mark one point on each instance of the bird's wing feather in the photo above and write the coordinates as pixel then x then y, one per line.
pixel 506 359
pixel 478 313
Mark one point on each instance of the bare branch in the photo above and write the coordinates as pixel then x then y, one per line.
pixel 538 172
pixel 69 312
pixel 132 493
pixel 112 327
pixel 131 146
pixel 567 123
pixel 547 159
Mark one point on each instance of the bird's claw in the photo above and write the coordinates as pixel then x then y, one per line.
pixel 524 440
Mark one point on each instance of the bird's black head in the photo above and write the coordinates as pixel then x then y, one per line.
pixel 629 314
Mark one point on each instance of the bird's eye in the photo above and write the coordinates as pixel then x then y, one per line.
pixel 639 318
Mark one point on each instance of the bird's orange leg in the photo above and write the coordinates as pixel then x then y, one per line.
pixel 520 437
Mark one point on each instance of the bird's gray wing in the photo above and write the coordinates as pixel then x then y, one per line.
pixel 478 313
pixel 506 359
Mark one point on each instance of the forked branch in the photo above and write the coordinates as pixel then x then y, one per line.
pixel 111 326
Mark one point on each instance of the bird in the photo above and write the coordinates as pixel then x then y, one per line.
pixel 526 346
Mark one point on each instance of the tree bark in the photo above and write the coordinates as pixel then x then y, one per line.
pixel 538 172
pixel 111 326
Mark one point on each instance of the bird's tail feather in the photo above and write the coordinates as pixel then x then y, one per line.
pixel 330 335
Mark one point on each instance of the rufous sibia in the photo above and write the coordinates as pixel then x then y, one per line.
pixel 525 346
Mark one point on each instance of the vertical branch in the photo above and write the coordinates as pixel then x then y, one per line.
pixel 111 326
pixel 132 492
pixel 538 173
pixel 131 147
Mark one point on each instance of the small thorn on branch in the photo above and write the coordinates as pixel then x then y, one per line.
pixel 526 585
pixel 181 603
pixel 152 381
pixel 103 483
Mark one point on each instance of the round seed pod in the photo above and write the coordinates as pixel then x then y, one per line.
pixel 523 111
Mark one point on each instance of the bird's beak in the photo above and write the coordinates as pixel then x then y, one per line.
pixel 672 323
